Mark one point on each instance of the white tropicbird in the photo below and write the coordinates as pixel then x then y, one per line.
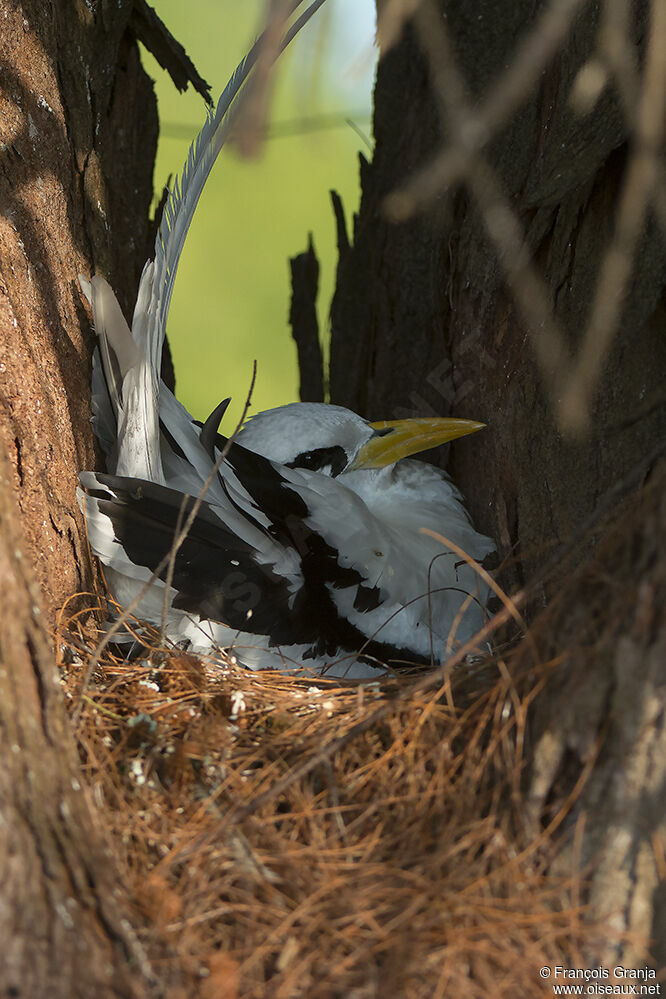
pixel 307 551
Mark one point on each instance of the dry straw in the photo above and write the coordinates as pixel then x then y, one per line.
pixel 400 865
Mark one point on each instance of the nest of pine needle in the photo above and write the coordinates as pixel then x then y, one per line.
pixel 286 836
pixel 300 837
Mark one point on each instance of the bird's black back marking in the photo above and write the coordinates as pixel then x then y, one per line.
pixel 273 494
pixel 313 618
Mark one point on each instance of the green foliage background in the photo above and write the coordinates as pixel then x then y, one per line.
pixel 231 298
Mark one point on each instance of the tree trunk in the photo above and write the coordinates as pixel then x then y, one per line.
pixel 434 314
pixel 79 129
pixel 423 320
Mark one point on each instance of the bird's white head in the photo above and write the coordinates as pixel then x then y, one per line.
pixel 332 439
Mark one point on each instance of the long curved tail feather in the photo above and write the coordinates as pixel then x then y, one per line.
pixel 130 403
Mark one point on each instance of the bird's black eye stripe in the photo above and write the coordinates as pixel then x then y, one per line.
pixel 334 458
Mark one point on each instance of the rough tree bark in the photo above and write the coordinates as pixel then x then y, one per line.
pixel 423 321
pixel 79 131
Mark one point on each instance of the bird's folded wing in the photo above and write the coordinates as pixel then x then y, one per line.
pixel 259 539
pixel 216 573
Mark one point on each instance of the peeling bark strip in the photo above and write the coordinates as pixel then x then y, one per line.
pixel 304 325
pixel 78 133
pixel 169 53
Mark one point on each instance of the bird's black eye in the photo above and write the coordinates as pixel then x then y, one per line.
pixel 322 459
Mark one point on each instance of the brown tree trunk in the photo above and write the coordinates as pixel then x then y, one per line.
pixel 434 313
pixel 423 320
pixel 79 129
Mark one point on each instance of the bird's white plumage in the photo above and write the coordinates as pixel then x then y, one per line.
pixel 275 433
pixel 303 554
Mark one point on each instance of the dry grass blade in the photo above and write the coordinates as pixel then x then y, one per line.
pixel 482 573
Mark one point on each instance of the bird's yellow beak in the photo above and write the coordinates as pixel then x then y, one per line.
pixel 395 439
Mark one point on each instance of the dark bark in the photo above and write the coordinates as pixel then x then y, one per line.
pixel 79 129
pixel 424 321
pixel 304 325
pixel 170 54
